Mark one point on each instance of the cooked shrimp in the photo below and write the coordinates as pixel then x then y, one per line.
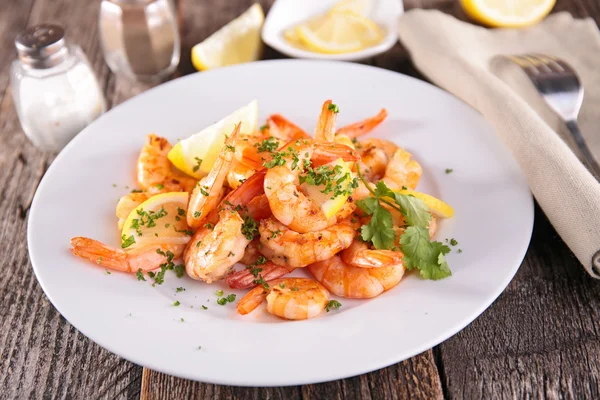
pixel 289 298
pixel 208 194
pixel 321 152
pixel 360 254
pixel 244 199
pixel 281 128
pixel 145 258
pixel 402 170
pixel 353 282
pixel 325 129
pixel 128 203
pixel 363 127
pixel 286 247
pixel 375 155
pixel 155 173
pixel 248 277
pixel 288 202
pixel 212 251
pixel 252 253
pixel 238 173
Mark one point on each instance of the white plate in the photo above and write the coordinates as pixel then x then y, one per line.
pixel 493 222
pixel 287 13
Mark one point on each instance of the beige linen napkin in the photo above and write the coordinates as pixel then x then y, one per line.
pixel 461 58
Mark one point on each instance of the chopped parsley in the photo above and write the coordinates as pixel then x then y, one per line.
pixel 182 320
pixel 197 214
pixel 140 275
pixel 127 241
pixel 147 219
pixel 180 212
pixel 295 288
pixel 159 277
pixel 107 272
pixel 160 186
pixel 179 289
pixel 176 303
pixel 219 292
pixel 332 305
pixel 99 260
pixel 204 307
pixel 419 251
pixel 229 147
pixel 204 190
pixel 449 170
pixel 198 164
pixel 282 285
pixel 208 225
pixel 268 145
pixel 224 300
pixel 334 108
pixel 276 233
pixel 460 250
pixel 249 227
pixel 136 191
pixel 332 179
pixel 453 242
pixel 263 127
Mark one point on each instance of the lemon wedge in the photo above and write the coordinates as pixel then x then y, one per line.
pixel 339 32
pixel 436 206
pixel 197 154
pixel 344 139
pixel 507 14
pixel 158 220
pixel 356 7
pixel 328 205
pixel 237 42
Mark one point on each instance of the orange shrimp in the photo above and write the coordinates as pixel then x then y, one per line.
pixel 354 282
pixel 247 278
pixel 281 128
pixel 155 173
pixel 207 195
pixel 363 127
pixel 288 298
pixel 325 129
pixel 144 258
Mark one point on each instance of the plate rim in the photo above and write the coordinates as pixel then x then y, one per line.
pixel 366 366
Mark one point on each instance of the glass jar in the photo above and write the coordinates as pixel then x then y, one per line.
pixel 55 91
pixel 140 38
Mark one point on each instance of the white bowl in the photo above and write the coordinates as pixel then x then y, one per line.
pixel 286 13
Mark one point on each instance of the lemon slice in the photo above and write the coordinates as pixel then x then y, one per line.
pixel 436 206
pixel 237 42
pixel 357 7
pixel 158 220
pixel 344 139
pixel 507 14
pixel 328 205
pixel 339 33
pixel 197 154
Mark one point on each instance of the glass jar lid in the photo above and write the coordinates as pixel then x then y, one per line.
pixel 42 46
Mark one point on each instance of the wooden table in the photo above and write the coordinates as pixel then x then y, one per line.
pixel 540 338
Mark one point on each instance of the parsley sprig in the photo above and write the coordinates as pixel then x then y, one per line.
pixel 419 251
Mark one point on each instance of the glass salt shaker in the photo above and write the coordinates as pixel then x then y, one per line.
pixel 55 90
pixel 140 38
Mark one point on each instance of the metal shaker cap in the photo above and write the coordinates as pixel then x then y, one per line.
pixel 42 46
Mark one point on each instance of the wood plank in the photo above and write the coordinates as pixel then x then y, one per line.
pixel 541 338
pixel 41 354
pixel 416 378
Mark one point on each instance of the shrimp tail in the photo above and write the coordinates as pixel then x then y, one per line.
pixel 282 128
pixel 251 300
pixel 326 152
pixel 325 129
pixel 363 127
pixel 244 279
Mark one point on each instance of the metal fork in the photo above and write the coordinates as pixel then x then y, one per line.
pixel 558 84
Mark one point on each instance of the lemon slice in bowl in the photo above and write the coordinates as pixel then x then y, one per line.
pixel 357 7
pixel 339 32
pixel 237 42
pixel 435 205
pixel 197 154
pixel 158 220
pixel 330 206
pixel 507 14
